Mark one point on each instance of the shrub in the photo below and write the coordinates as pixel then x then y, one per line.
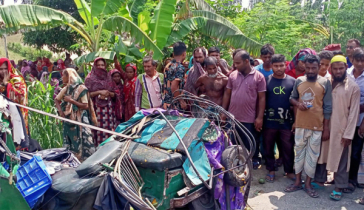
pixel 29 53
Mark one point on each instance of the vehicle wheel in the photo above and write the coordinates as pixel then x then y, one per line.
pixel 204 202
pixel 231 157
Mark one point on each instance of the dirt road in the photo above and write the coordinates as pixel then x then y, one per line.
pixel 272 196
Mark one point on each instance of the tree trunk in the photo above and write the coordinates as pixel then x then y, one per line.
pixel 6 47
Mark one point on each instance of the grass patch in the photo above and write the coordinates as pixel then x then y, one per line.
pixel 11 39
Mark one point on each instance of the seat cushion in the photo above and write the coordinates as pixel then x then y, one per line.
pixel 151 158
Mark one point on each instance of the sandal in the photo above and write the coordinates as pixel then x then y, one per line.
pixel 270 178
pixel 336 196
pixel 361 186
pixel 361 201
pixel 293 188
pixel 331 182
pixel 349 189
pixel 311 192
pixel 316 186
pixel 256 165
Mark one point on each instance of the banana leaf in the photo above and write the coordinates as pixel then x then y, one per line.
pixel 202 5
pixel 214 16
pixel 162 21
pixel 87 58
pixel 215 29
pixel 105 7
pixel 122 24
pixel 143 21
pixel 85 13
pixel 135 9
pixel 17 17
pixel 184 11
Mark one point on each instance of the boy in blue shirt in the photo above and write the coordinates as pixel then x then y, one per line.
pixel 266 53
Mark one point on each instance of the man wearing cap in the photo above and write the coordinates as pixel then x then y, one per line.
pixel 335 153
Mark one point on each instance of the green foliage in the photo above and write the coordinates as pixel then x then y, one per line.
pixel 135 8
pixel 225 8
pixel 47 130
pixel 161 22
pixel 272 22
pixel 346 21
pixel 58 39
pixel 29 53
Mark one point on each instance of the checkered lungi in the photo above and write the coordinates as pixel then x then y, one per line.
pixel 105 119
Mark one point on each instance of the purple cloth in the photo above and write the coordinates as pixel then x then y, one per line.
pixel 214 153
pixel 244 108
pixel 147 112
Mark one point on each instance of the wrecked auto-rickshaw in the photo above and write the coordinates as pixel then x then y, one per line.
pixel 161 159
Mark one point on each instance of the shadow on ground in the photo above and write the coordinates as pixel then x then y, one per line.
pixel 272 196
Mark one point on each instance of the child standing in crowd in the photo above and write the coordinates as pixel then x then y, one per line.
pixel 325 59
pixel 266 54
pixel 118 89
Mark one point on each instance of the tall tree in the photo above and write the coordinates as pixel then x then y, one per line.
pixel 273 22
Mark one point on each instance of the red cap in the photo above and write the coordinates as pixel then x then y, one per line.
pixel 333 47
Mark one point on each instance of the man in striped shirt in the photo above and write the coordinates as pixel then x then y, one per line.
pixel 148 87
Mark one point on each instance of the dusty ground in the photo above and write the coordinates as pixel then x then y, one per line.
pixel 272 195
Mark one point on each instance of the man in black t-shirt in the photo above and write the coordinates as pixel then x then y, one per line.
pixel 278 118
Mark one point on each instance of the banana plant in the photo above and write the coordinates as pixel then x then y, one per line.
pixel 95 15
pixel 153 34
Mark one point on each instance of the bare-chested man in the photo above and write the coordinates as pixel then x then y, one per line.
pixel 213 82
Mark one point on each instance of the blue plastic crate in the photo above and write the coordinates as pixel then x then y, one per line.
pixel 33 180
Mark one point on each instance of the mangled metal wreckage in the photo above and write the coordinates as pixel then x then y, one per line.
pixel 161 159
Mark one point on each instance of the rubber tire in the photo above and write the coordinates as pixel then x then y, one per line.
pixel 204 202
pixel 233 156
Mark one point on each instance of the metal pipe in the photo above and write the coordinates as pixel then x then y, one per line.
pixel 75 122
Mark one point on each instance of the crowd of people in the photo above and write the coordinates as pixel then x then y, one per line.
pixel 310 110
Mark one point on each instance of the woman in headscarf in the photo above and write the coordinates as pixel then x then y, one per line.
pixel 57 88
pixel 13 86
pixel 25 70
pixel 47 63
pixel 129 77
pixel 296 67
pixel 196 70
pixel 118 89
pixel 74 103
pixel 13 63
pixel 45 77
pixel 33 70
pixel 20 65
pixel 99 83
pixel 60 65
pixel 39 64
